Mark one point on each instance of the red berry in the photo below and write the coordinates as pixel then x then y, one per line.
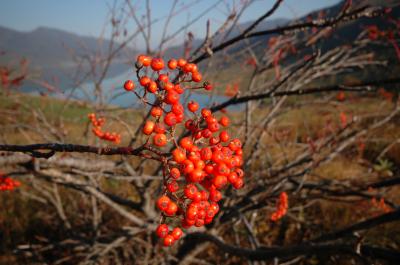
pixel 205 113
pixel 220 181
pixel 181 62
pixel 170 119
pixel 187 166
pixel 152 87
pixel 172 64
pixel 175 173
pixel 162 230
pixel 224 136
pixel 171 97
pixel 163 202
pixel 144 81
pixel 177 108
pixel 178 155
pixel 163 78
pixel 177 233
pixel 168 241
pixel 159 139
pixel 173 186
pixel 143 60
pixel 196 175
pixel 193 106
pixel 157 64
pixel 186 143
pixel 224 121
pixel 171 209
pixel 156 112
pixel 190 191
pixel 148 127
pixel 129 85
pixel 196 77
pixel 191 213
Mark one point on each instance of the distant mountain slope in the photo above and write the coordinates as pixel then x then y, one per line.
pixel 50 52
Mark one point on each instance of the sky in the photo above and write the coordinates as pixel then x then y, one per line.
pixel 88 17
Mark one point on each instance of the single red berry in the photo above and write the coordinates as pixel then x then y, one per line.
pixel 238 184
pixel 177 108
pixel 178 89
pixel 163 202
pixel 152 87
pixel 148 127
pixel 143 60
pixel 172 64
pixel 175 173
pixel 129 85
pixel 193 106
pixel 168 241
pixel 177 233
pixel 178 155
pixel 159 139
pixel 156 112
pixel 196 176
pixel 196 77
pixel 187 166
pixel 171 209
pixel 144 80
pixel 205 113
pixel 173 186
pixel 190 191
pixel 207 86
pixel 186 143
pixel 220 181
pixel 157 64
pixel 224 121
pixel 191 213
pixel 224 136
pixel 163 78
pixel 170 119
pixel 168 86
pixel 171 97
pixel 162 230
pixel 181 62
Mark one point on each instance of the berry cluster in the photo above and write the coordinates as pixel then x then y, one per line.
pixel 97 124
pixel 203 162
pixel 281 207
pixel 7 183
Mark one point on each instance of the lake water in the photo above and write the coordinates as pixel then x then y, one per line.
pixel 115 94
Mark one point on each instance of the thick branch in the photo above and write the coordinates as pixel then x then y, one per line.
pixel 36 150
pixel 268 253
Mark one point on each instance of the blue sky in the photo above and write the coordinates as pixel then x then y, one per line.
pixel 87 17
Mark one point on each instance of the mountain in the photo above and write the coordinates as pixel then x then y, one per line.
pixel 50 52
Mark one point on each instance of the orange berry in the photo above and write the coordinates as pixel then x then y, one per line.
pixel 193 106
pixel 181 62
pixel 157 64
pixel 196 77
pixel 160 139
pixel 129 85
pixel 156 112
pixel 179 156
pixel 148 127
pixel 172 64
pixel 144 80
pixel 143 60
pixel 152 87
